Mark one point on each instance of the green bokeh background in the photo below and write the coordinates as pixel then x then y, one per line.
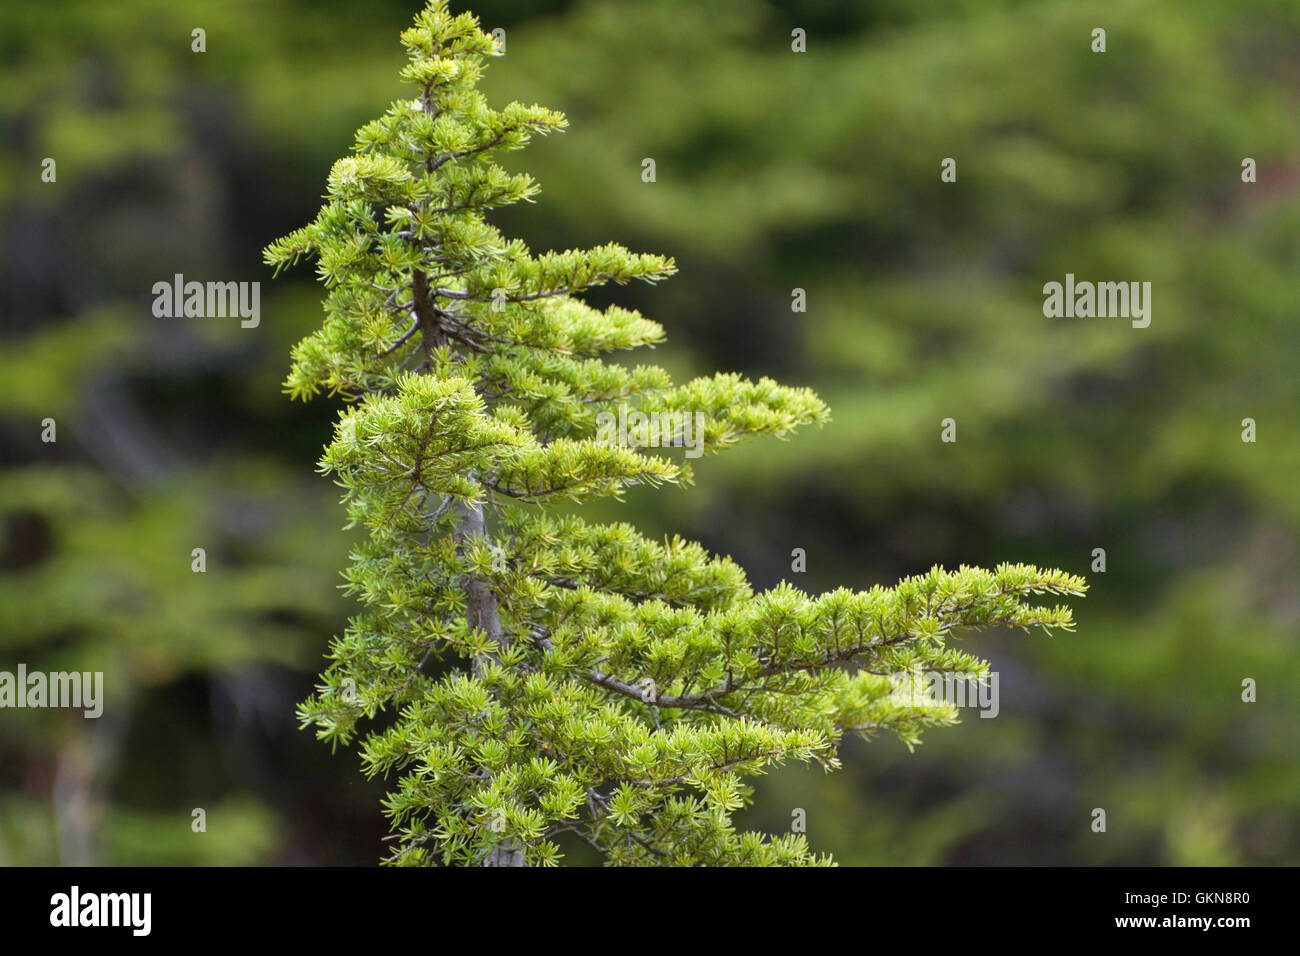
pixel 775 171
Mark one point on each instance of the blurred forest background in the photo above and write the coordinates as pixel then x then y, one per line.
pixel 776 170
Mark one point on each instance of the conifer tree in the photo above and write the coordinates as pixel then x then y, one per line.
pixel 545 679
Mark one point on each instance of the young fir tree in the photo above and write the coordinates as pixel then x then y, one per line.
pixel 545 676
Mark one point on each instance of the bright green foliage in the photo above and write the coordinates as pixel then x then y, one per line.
pixel 924 301
pixel 594 684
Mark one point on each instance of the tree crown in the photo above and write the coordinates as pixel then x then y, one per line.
pixel 546 679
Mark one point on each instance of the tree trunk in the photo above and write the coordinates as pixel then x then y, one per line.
pixel 481 612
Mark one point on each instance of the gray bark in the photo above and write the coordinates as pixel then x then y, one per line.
pixel 471 522
pixel 481 612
